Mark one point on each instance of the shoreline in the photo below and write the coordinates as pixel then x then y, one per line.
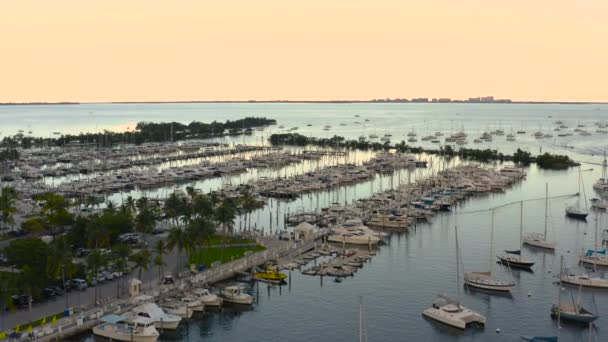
pixel 301 102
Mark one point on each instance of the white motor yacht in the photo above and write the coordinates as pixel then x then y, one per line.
pixel 119 328
pixel 193 303
pixel 236 295
pixel 161 319
pixel 178 308
pixel 206 297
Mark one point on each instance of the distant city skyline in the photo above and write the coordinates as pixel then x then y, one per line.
pixel 314 50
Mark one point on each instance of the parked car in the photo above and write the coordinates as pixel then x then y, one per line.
pixel 107 275
pixel 21 301
pixel 17 232
pixel 77 284
pixel 82 252
pixel 3 259
pixel 49 292
pixel 130 238
pixel 58 290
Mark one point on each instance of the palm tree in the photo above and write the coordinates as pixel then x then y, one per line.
pixel 202 206
pixel 8 198
pixel 95 261
pixel 8 286
pixel 177 239
pixel 145 218
pixel 160 248
pixel 122 253
pixel 172 207
pixel 60 262
pixel 225 215
pixel 141 260
pixel 110 207
pixel 129 204
pixel 96 233
pixel 249 204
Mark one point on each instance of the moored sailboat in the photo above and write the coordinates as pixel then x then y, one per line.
pixel 576 211
pixel 486 280
pixel 536 239
pixel 572 312
pixel 514 258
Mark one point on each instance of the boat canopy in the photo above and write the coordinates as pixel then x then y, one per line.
pixel 590 252
pixel 112 319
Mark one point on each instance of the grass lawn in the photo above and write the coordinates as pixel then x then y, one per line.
pixel 207 256
pixel 218 240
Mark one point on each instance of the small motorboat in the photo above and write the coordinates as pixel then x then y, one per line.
pixel 270 274
pixel 175 307
pixel 161 319
pixel 206 297
pixel 120 328
pixel 236 295
pixel 193 303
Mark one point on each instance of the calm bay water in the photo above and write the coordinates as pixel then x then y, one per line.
pixel 394 118
pixel 403 279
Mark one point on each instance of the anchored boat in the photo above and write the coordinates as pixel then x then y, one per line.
pixel 449 311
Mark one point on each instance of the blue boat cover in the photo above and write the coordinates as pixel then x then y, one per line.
pixel 112 319
pixel 590 252
pixel 540 338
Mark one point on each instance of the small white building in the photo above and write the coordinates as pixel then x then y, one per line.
pixel 305 231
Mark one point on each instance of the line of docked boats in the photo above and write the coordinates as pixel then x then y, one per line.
pixel 149 317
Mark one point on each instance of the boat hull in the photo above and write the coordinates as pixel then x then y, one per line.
pixel 538 242
pixel 572 316
pixel 586 282
pixel 166 325
pixel 516 264
pixel 578 216
pixel 113 335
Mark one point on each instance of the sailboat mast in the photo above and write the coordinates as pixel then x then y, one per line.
pixel 559 290
pixel 492 245
pixel 596 247
pixel 457 263
pixel 546 206
pixel 521 224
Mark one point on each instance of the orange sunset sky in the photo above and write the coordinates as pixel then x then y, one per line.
pixel 153 50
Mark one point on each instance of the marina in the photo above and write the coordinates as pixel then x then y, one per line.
pixel 384 229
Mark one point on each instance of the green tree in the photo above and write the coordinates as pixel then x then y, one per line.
pixel 177 239
pixel 141 260
pixel 8 199
pixel 160 248
pixel 95 261
pixel 122 253
pixel 60 262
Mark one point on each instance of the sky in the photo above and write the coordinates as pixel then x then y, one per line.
pixel 182 50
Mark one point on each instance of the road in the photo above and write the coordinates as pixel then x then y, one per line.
pixel 87 298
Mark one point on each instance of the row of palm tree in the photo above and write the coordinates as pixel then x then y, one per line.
pixel 8 208
pixel 195 219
